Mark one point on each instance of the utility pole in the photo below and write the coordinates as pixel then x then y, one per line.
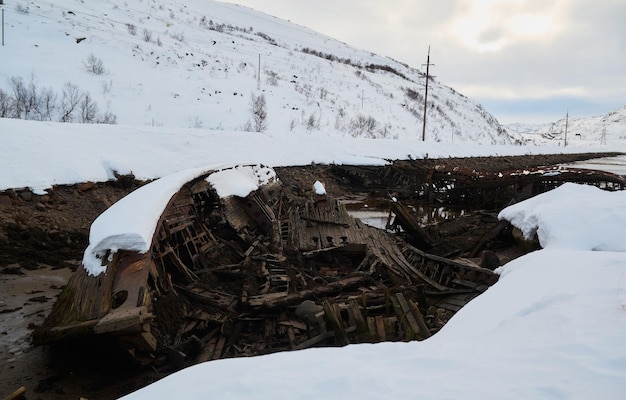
pixel 428 64
pixel 566 121
pixel 2 24
pixel 258 75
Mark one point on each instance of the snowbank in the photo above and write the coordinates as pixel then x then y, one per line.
pixel 573 216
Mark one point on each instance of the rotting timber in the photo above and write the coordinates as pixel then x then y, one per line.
pixel 454 185
pixel 277 270
pixel 270 272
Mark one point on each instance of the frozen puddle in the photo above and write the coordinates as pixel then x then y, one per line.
pixel 26 299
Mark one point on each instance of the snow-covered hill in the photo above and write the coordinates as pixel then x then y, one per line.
pixel 603 129
pixel 196 64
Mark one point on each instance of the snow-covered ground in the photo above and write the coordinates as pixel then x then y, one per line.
pixel 38 155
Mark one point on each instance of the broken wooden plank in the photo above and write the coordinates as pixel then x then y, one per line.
pixel 380 328
pixel 273 300
pixel 406 318
pixel 314 340
pixel 371 327
pixel 294 324
pixel 361 324
pixel 180 265
pixel 292 336
pixel 223 301
pixel 208 348
pixel 17 394
pixel 424 331
pixel 334 320
pixel 124 321
pixel 219 348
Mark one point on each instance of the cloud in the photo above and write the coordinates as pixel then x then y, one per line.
pixel 489 25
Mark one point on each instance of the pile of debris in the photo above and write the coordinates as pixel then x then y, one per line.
pixel 272 271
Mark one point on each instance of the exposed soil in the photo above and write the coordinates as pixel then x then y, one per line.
pixel 42 239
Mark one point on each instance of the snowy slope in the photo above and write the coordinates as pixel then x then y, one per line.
pixel 195 64
pixel 602 129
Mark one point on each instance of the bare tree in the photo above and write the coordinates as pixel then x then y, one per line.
pixel 33 101
pixel 18 96
pixel 258 107
pixel 70 99
pixel 4 104
pixel 88 109
pixel 48 99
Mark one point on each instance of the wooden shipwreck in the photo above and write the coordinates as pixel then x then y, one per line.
pixel 272 271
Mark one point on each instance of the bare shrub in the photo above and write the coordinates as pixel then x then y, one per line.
pixel 132 29
pixel 106 86
pixel 147 35
pixel 196 122
pixel 272 77
pixel 179 36
pixel 22 9
pixel 312 122
pixel 108 118
pixel 258 107
pixel 88 109
pixel 94 65
pixel 363 126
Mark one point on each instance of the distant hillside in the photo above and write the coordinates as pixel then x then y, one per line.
pixel 603 129
pixel 196 64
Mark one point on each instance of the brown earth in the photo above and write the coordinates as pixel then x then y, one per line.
pixel 42 239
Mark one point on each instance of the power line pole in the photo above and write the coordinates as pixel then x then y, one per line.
pixel 566 121
pixel 258 75
pixel 428 64
pixel 2 24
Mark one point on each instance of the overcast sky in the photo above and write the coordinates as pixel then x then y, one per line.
pixel 524 60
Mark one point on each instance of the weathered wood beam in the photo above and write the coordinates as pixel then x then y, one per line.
pixel 273 300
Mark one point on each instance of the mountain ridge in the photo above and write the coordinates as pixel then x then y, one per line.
pixel 599 129
pixel 197 64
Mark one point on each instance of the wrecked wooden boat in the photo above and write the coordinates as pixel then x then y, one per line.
pixel 238 275
pixel 461 186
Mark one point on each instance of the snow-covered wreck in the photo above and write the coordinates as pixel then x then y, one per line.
pixel 229 262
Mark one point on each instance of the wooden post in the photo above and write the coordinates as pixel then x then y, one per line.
pixel 566 121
